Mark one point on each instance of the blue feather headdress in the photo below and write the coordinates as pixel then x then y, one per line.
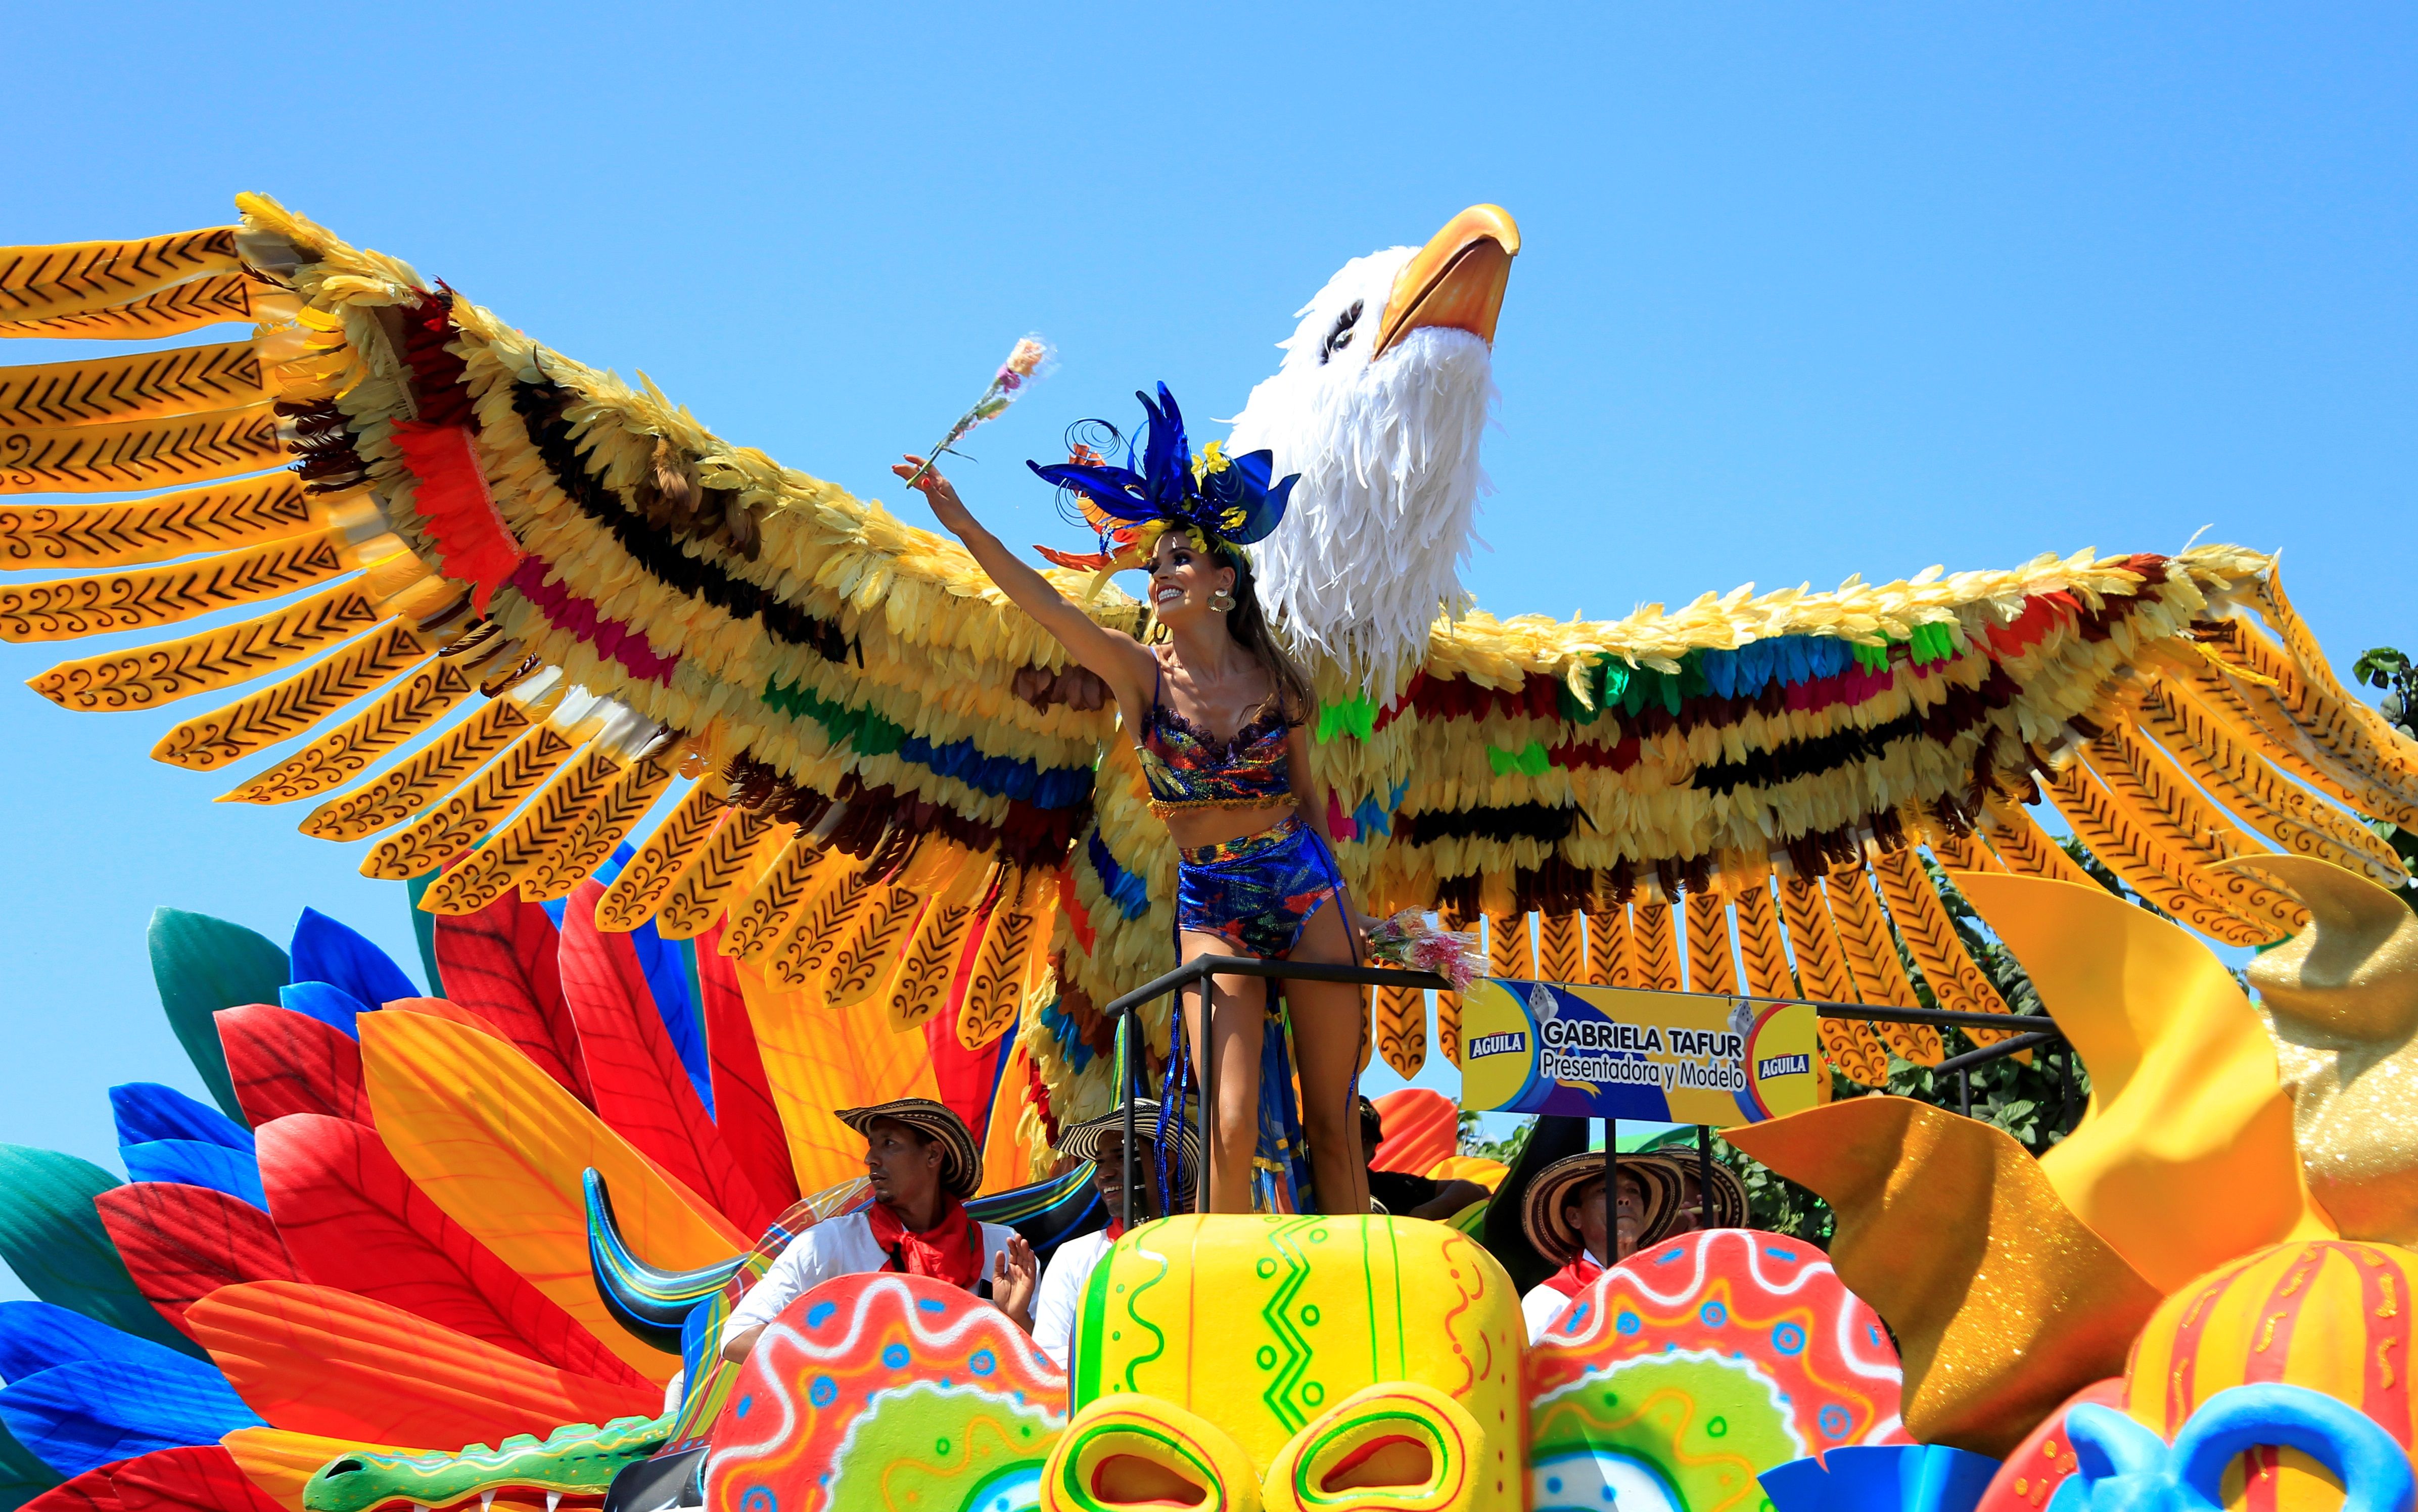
pixel 1220 501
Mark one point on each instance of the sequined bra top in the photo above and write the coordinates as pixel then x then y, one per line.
pixel 1188 768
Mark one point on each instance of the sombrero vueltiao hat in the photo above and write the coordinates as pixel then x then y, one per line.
pixel 961 1167
pixel 1549 1193
pixel 1082 1141
pixel 1729 1197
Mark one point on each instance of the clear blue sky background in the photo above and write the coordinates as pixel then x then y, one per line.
pixel 1808 292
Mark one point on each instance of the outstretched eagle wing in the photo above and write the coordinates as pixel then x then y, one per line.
pixel 1742 795
pixel 505 602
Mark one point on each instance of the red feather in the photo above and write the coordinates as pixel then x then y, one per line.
pixel 182 1243
pixel 500 961
pixel 354 1220
pixel 94 1491
pixel 641 1087
pixel 288 1062
pixel 744 1108
pixel 199 1478
pixel 473 543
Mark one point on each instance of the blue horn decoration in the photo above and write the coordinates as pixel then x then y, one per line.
pixel 651 1302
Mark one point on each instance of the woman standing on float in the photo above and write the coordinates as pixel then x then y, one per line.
pixel 1219 715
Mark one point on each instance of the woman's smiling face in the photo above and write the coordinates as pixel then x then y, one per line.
pixel 1183 578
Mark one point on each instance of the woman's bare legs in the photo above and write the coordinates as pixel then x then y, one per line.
pixel 1326 1036
pixel 1236 1030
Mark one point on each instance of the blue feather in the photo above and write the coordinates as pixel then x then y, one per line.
pixel 79 1417
pixel 145 1111
pixel 196 1163
pixel 327 1003
pixel 326 950
pixel 667 979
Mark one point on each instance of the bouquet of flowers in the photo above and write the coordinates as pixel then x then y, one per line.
pixel 1408 940
pixel 1029 361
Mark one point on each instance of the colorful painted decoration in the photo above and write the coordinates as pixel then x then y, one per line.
pixel 2027 1478
pixel 1686 1372
pixel 2125 1467
pixel 892 1392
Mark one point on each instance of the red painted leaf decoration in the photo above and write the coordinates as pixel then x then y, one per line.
pixel 284 1063
pixel 638 1083
pixel 500 962
pixel 182 1243
pixel 353 1219
pixel 744 1108
pixel 199 1478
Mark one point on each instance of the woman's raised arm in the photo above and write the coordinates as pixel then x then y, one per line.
pixel 1119 660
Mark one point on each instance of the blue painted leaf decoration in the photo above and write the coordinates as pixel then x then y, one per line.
pixel 327 1003
pixel 203 965
pixel 1907 1478
pixel 326 951
pixel 77 1417
pixel 191 1163
pixel 145 1111
pixel 39 1336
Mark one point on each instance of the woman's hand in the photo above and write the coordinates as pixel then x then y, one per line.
pixel 938 492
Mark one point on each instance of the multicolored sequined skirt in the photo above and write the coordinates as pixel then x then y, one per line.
pixel 1257 893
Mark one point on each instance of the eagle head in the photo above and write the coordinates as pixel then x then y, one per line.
pixel 1385 385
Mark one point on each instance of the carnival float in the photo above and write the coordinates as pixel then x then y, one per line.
pixel 728 803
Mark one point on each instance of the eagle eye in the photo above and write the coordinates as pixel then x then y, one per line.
pixel 1341 337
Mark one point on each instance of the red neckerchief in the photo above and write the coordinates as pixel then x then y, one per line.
pixel 950 1251
pixel 1116 1230
pixel 1576 1276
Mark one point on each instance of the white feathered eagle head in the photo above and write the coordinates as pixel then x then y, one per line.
pixel 1387 387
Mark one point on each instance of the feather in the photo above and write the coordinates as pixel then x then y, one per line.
pixel 725 869
pixel 149 597
pixel 929 969
pixel 129 385
pixel 798 875
pixel 661 861
pixel 211 658
pixel 410 706
pixel 1561 953
pixel 1947 968
pixel 146 1110
pixel 181 1243
pixel 315 1360
pixel 2169 811
pixel 635 1076
pixel 52 1237
pixel 428 775
pixel 550 822
pixel 1657 950
pixel 172 312
pixel 1880 977
pixel 1850 1045
pixel 351 1219
pixel 465 816
pixel 123 455
pixel 1401 1029
pixel 743 1108
pixel 1612 956
pixel 202 965
pixel 599 832
pixel 1711 967
pixel 864 967
pixel 282 1061
pixel 250 512
pixel 1014 942
pixel 2117 836
pixel 503 963
pixel 500 1147
pixel 50 283
pixel 1508 951
pixel 38 1336
pixel 1763 953
pixel 816 1062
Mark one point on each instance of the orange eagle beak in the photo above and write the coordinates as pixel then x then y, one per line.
pixel 1456 280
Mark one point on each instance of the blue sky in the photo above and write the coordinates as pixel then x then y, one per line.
pixel 1807 292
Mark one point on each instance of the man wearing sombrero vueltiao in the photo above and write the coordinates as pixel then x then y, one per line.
pixel 923 1163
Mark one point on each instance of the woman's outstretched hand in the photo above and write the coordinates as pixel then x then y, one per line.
pixel 942 494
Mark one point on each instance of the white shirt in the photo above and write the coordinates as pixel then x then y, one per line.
pixel 844 1246
pixel 1541 1307
pixel 1058 1300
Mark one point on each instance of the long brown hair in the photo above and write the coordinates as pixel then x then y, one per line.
pixel 1249 624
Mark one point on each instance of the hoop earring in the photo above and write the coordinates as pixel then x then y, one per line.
pixel 1221 601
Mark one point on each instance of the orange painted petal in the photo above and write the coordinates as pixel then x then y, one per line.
pixel 817 1059
pixel 280 1460
pixel 499 1145
pixel 2185 1158
pixel 317 1359
pixel 1421 1128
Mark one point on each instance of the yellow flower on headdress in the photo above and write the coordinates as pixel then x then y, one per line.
pixel 1212 459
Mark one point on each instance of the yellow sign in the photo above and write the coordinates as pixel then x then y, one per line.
pixel 1617 1052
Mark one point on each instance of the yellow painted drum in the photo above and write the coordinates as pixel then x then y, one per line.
pixel 1277 1328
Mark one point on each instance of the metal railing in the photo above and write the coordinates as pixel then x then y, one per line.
pixel 1197 970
